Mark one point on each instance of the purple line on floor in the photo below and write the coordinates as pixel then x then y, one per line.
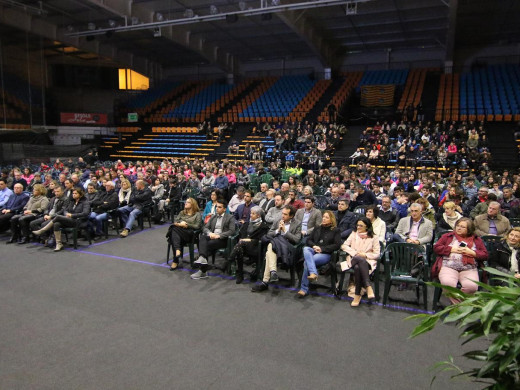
pixel 247 281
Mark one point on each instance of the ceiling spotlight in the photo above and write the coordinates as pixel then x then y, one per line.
pixel 275 3
pixel 70 28
pixel 91 26
pixel 135 20
pixel 159 17
pixel 112 23
pixel 242 5
pixel 189 13
pixel 213 10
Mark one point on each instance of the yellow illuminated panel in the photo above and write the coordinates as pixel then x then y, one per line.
pixel 129 79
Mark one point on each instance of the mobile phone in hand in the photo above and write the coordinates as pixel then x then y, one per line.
pixel 463 245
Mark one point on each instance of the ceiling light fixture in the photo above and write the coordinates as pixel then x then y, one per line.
pixel 213 10
pixel 189 13
pixel 159 17
pixel 91 26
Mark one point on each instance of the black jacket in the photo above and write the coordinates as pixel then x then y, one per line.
pixel 139 198
pixel 346 221
pixel 106 201
pixel 501 256
pixel 79 211
pixel 329 240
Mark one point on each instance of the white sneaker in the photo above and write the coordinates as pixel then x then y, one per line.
pixel 199 275
pixel 201 260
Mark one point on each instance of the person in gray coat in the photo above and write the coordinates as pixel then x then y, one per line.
pixel 414 229
pixel 309 216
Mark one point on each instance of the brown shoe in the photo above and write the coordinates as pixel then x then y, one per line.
pixel 370 293
pixel 124 233
pixel 313 278
pixel 356 301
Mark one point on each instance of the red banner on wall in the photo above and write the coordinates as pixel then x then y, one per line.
pixel 82 118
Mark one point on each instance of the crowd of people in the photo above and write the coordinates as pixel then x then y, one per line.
pixel 294 218
pixel 305 143
pixel 442 144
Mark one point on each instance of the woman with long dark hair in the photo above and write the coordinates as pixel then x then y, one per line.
pixel 363 251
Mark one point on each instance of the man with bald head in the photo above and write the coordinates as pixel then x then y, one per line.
pixel 491 223
pixel 139 197
pixel 13 206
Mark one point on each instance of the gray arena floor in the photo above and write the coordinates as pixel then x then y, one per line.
pixel 112 316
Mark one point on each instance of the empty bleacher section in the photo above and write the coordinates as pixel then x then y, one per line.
pixel 280 100
pixel 309 101
pixel 491 93
pixel 413 89
pixel 384 77
pixel 253 141
pixel 448 99
pixel 164 143
pixel 233 114
pixel 194 109
pixel 19 101
pixel 350 82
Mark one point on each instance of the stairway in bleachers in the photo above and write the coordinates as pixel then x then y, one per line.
pixel 502 145
pixel 222 115
pixel 242 131
pixel 325 100
pixel 350 143
pixel 430 93
pixel 166 142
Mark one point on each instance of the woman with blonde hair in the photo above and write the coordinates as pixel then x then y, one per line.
pixel 321 243
pixel 36 205
pixel 449 218
pixel 183 228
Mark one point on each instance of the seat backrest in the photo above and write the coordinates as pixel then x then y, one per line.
pixel 403 256
pixel 489 241
pixel 360 210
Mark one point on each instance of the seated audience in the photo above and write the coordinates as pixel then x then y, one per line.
pixel 281 236
pixel 36 205
pixel 14 205
pixel 363 250
pixel 491 223
pixel 73 214
pixel 461 252
pixel 505 256
pixel 214 237
pixel 321 243
pixel 138 199
pixel 183 229
pixel 249 236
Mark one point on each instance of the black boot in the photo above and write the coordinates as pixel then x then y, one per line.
pixel 13 239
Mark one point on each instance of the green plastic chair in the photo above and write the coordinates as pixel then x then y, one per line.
pixel 190 245
pixel 399 261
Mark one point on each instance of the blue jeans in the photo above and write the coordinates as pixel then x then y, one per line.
pixel 97 220
pixel 128 216
pixel 312 261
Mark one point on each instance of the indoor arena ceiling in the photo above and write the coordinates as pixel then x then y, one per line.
pixel 191 32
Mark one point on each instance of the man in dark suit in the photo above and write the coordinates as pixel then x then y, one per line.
pixel 14 206
pixel 287 229
pixel 138 199
pixel 214 236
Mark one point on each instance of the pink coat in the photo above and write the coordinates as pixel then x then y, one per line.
pixel 370 245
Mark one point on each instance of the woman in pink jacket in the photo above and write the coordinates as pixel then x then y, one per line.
pixel 363 251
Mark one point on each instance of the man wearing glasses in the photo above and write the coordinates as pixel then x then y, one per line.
pixel 214 237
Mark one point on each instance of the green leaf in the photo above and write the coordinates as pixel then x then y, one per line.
pixel 506 360
pixel 425 326
pixel 497 345
pixel 458 312
pixel 486 368
pixel 476 355
pixel 494 271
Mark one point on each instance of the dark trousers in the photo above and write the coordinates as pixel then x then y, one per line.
pixel 241 250
pixel 361 273
pixel 4 221
pixel 208 246
pixel 61 221
pixel 20 224
pixel 180 237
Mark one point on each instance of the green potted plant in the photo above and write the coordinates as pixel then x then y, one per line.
pixel 492 313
